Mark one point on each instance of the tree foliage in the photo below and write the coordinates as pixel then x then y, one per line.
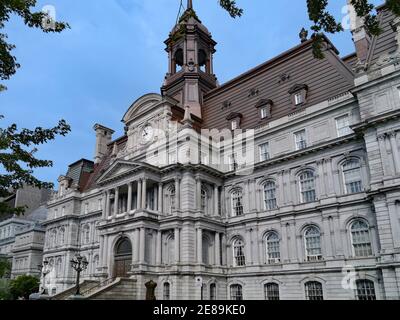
pixel 18 161
pixel 323 21
pixel 23 286
pixel 5 268
pixel 33 19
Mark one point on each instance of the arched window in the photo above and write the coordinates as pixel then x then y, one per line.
pixel 206 252
pixel 172 199
pixel 53 238
pixel 314 291
pixel 213 291
pixel 238 253
pixel 365 290
pixel 312 237
pixel 270 195
pixel 273 248
pixel 61 237
pixel 237 203
pixel 178 60
pixel 352 176
pixel 236 292
pixel 169 249
pixel 204 200
pixel 360 239
pixel 307 186
pixel 167 291
pixel 58 267
pixel 271 291
pixel 86 234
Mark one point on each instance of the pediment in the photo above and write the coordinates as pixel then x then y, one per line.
pixel 118 169
pixel 141 106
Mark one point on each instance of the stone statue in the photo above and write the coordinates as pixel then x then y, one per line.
pixel 150 288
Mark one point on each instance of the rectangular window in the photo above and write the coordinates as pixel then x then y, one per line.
pixel 236 292
pixel 298 99
pixel 264 112
pixel 172 157
pixel 264 152
pixel 343 126
pixel 234 125
pixel 314 291
pixel 300 140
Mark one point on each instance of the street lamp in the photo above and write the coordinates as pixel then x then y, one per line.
pixel 44 271
pixel 79 264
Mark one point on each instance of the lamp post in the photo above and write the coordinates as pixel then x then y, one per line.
pixel 44 271
pixel 79 264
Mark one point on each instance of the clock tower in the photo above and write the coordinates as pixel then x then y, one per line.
pixel 190 74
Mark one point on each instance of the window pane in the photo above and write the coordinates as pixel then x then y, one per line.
pixel 264 152
pixel 238 253
pixel 270 195
pixel 236 292
pixel 313 244
pixel 361 239
pixel 273 248
pixel 213 291
pixel 237 203
pixel 271 291
pixel 166 293
pixel 307 187
pixel 300 139
pixel 352 176
pixel 314 291
pixel 365 290
pixel 343 126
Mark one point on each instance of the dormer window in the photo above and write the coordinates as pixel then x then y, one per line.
pixel 264 107
pixel 298 95
pixel 234 125
pixel 298 99
pixel 235 120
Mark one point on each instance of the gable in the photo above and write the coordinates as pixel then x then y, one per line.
pixel 118 170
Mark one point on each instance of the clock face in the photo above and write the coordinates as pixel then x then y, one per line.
pixel 147 134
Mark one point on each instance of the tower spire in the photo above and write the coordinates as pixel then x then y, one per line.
pixel 190 4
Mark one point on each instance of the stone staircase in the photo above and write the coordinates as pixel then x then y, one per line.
pixel 85 285
pixel 118 289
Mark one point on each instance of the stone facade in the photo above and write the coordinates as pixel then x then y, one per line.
pixel 319 205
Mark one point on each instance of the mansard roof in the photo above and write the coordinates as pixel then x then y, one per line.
pixel 386 42
pixel 273 80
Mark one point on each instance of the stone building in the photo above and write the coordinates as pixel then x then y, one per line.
pixel 309 209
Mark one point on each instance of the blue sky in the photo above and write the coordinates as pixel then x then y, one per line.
pixel 114 53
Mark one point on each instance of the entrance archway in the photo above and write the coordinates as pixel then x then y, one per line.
pixel 122 258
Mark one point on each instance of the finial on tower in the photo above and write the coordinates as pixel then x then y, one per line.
pixel 190 4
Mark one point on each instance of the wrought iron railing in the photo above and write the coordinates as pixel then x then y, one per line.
pixel 93 289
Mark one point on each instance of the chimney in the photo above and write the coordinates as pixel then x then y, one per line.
pixel 103 138
pixel 361 38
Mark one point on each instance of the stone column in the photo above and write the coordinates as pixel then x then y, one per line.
pixel 177 245
pixel 395 151
pixel 384 156
pixel 107 205
pixel 144 193
pixel 139 195
pixel 329 171
pixel 155 196
pixel 199 246
pixel 142 245
pixel 217 246
pixel 327 238
pixel 284 244
pixel 216 196
pixel 281 193
pixel 136 255
pixel 287 186
pixel 160 197
pixel 116 201
pixel 159 247
pixel 177 193
pixel 198 193
pixel 129 205
pixel 224 248
pixel 320 183
pixel 249 254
